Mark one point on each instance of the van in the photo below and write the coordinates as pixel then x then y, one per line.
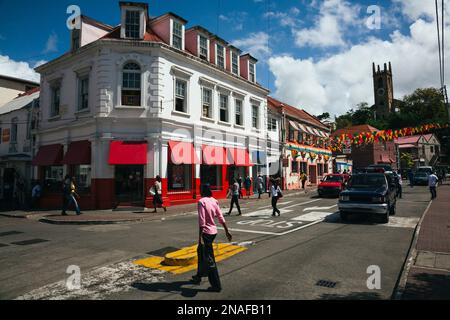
pixel 426 169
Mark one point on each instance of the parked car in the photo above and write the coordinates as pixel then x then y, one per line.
pixel 421 178
pixel 425 169
pixel 368 193
pixel 332 184
pixel 386 167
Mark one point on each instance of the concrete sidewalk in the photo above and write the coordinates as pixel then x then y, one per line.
pixel 135 214
pixel 428 277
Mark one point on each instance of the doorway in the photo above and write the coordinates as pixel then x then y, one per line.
pixel 313 174
pixel 129 185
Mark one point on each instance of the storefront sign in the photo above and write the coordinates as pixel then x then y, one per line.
pixel 347 151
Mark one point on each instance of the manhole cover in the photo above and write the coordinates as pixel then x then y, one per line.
pixel 3 245
pixel 326 283
pixel 162 252
pixel 28 242
pixel 9 233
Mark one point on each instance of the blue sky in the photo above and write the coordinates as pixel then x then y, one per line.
pixel 320 40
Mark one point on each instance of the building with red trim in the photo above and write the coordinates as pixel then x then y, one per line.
pixel 148 97
pixel 371 153
pixel 304 140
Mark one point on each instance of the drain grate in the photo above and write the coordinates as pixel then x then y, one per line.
pixel 28 242
pixel 9 233
pixel 326 283
pixel 163 251
pixel 3 245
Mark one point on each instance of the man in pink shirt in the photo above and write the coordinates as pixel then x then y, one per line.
pixel 208 209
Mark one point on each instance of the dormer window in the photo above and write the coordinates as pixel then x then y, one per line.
pixel 220 53
pixel 251 72
pixel 203 47
pixel 234 63
pixel 177 35
pixel 132 24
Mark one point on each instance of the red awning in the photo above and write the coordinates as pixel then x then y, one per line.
pixel 50 155
pixel 241 157
pixel 214 155
pixel 79 152
pixel 127 152
pixel 182 153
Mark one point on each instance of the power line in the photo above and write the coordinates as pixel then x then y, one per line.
pixel 443 45
pixel 439 43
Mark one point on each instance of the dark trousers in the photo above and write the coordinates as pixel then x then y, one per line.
pixel 207 262
pixel 274 206
pixel 303 184
pixel 235 200
pixel 68 199
pixel 400 191
pixel 433 193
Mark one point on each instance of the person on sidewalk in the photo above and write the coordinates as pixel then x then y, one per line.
pixel 303 178
pixel 432 183
pixel 235 197
pixel 156 192
pixel 36 194
pixel 399 185
pixel 247 186
pixel 411 178
pixel 208 209
pixel 70 194
pixel 239 181
pixel 260 183
pixel 276 194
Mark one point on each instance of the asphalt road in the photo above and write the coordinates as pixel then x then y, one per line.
pixel 285 259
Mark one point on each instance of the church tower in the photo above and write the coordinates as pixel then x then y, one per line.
pixel 383 91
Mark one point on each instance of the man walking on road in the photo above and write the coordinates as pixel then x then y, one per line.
pixel 303 178
pixel 276 194
pixel 260 185
pixel 69 194
pixel 432 183
pixel 208 209
pixel 235 190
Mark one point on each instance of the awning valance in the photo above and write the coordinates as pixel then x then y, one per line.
pixel 127 152
pixel 182 153
pixel 50 155
pixel 294 125
pixel 79 152
pixel 213 155
pixel 241 157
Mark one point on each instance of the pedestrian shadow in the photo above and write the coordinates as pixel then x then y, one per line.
pixel 169 287
pixel 356 219
pixel 351 296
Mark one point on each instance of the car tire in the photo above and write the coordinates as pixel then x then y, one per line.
pixel 344 216
pixel 385 217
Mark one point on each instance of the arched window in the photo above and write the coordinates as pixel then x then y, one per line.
pixel 131 85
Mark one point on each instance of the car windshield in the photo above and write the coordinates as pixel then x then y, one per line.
pixel 367 181
pixel 332 179
pixel 421 174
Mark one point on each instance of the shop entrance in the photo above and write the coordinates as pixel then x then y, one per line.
pixel 313 174
pixel 129 185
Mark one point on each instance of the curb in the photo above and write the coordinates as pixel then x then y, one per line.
pixel 400 287
pixel 89 222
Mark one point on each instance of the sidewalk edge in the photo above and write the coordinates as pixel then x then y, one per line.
pixel 412 252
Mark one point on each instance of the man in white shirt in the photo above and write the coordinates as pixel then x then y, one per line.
pixel 432 183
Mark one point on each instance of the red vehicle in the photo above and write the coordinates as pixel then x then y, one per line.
pixel 332 184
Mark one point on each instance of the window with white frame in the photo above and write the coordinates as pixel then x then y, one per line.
pixel 177 35
pixel 238 112
pixel 132 24
pixel 234 63
pixel 14 122
pixel 55 100
pixel 131 85
pixel 251 72
pixel 272 124
pixel 180 95
pixel 83 92
pixel 203 47
pixel 223 104
pixel 220 55
pixel 255 117
pixel 206 103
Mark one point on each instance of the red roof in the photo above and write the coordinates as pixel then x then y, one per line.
pixel 29 92
pixel 408 140
pixel 295 112
pixel 149 35
pixel 355 130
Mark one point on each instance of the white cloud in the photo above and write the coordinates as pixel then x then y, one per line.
pixel 337 83
pixel 52 43
pixel 328 31
pixel 256 44
pixel 285 19
pixel 19 69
